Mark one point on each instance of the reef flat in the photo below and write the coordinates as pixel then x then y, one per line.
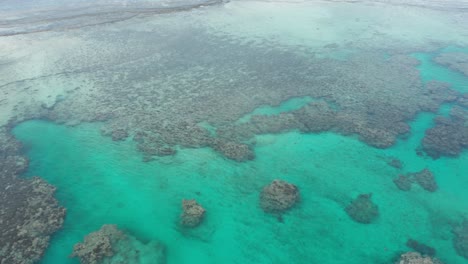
pixel 349 101
pixel 111 185
pixel 29 212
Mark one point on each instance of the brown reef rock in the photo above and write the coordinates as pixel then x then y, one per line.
pixel 192 213
pixel 279 196
pixel 416 258
pixel 362 209
pixel 29 213
pixel 420 247
pixel 368 95
pixel 449 136
pixel 456 61
pixel 460 239
pixel 110 245
pixel 97 245
pixel 424 178
pixel 233 150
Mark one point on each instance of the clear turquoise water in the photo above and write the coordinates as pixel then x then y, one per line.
pixel 429 70
pixel 100 182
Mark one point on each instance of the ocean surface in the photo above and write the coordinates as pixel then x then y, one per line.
pixel 65 64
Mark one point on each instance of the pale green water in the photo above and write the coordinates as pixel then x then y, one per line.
pixel 100 181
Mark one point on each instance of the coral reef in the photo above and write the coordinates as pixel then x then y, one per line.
pixel 420 247
pixel 439 92
pixel 460 239
pixel 111 245
pixel 159 91
pixel 29 213
pixel 362 209
pixel 161 100
pixel 192 213
pixel 463 100
pixel 416 258
pixel 279 196
pixel 97 245
pixel 449 136
pixel 117 134
pixel 403 182
pixel 376 107
pixel 396 163
pixel 424 178
pixel 457 61
pixel 233 150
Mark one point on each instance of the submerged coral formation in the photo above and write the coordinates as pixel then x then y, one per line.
pixel 403 182
pixel 233 150
pixel 161 91
pixel 382 95
pixel 460 239
pixel 363 209
pixel 279 196
pixel 424 178
pixel 97 245
pixel 192 213
pixel 449 136
pixel 111 245
pixel 395 163
pixel 416 258
pixel 457 61
pixel 29 213
pixel 420 247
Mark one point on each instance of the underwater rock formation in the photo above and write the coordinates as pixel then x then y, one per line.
pixel 389 93
pixel 29 213
pixel 233 150
pixel 449 136
pixel 97 245
pixel 424 178
pixel 119 134
pixel 192 213
pixel 456 61
pixel 460 239
pixel 161 140
pixel 439 92
pixel 403 182
pixel 463 100
pixel 322 115
pixel 362 209
pixel 111 245
pixel 395 163
pixel 420 247
pixel 279 196
pixel 416 258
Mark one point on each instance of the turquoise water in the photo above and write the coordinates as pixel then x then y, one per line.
pixel 101 181
pixel 429 70
pixel 455 49
pixel 133 60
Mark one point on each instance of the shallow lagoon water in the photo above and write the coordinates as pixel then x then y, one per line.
pixel 101 181
pixel 430 70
